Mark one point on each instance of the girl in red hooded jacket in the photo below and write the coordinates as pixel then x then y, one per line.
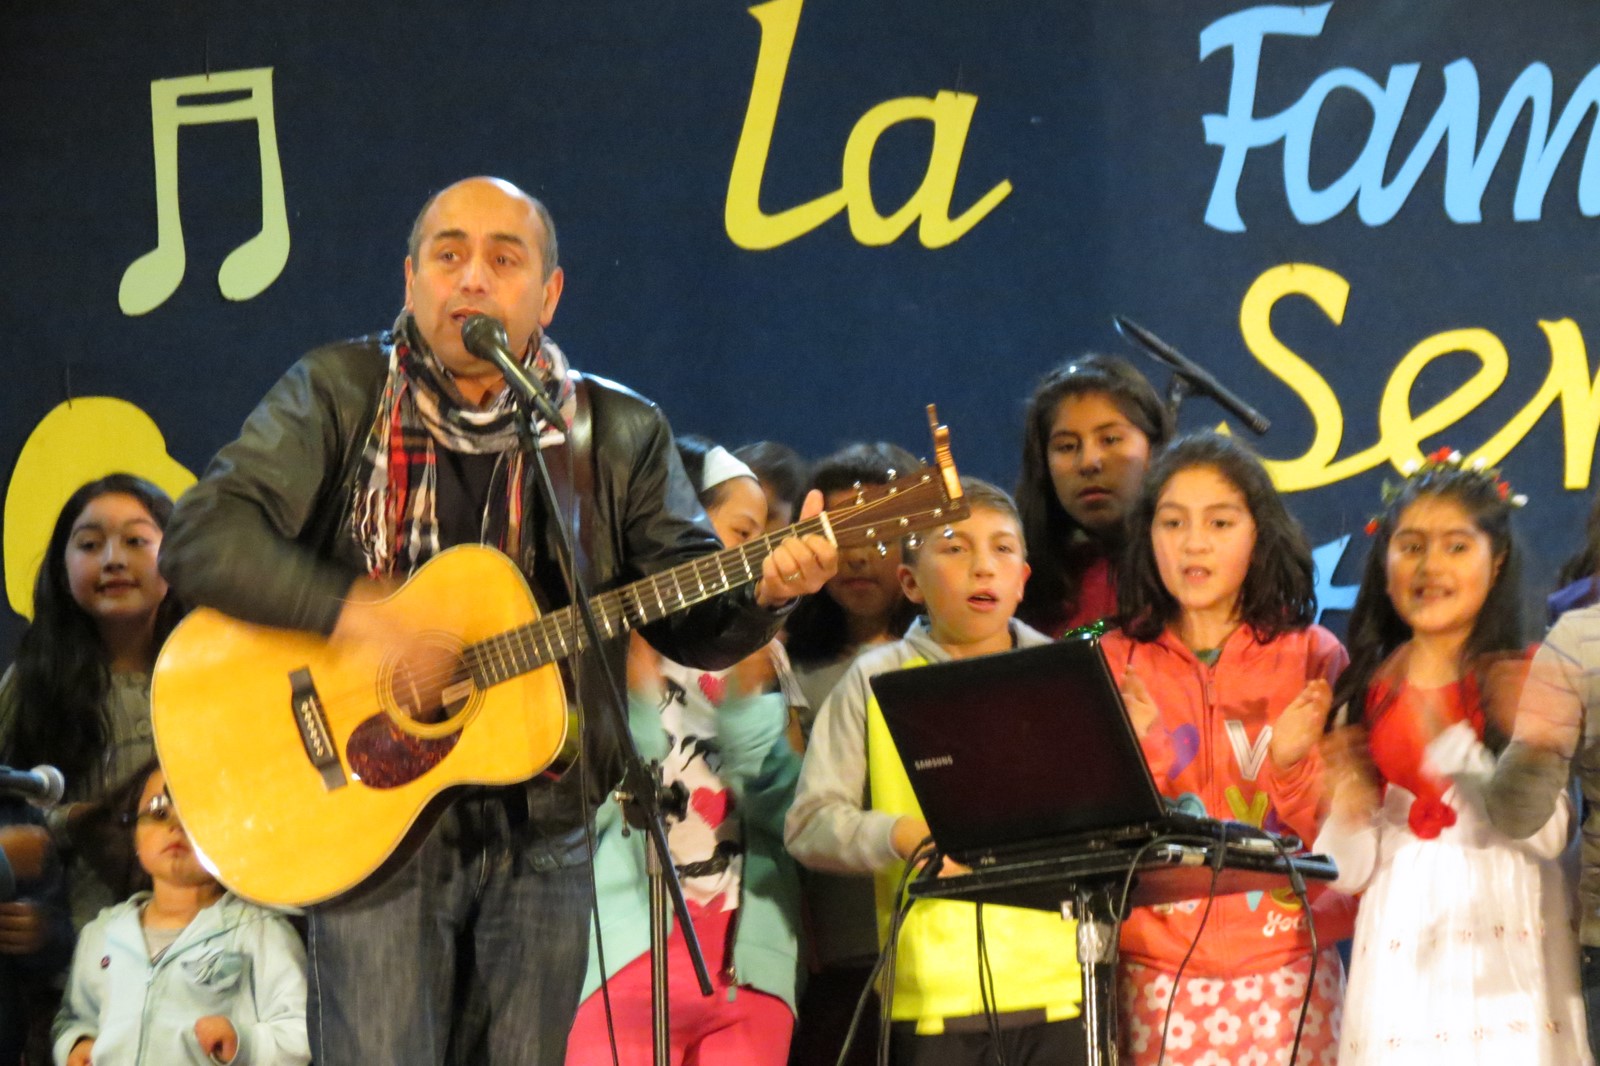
pixel 1228 684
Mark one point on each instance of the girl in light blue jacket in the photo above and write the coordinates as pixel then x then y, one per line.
pixel 185 972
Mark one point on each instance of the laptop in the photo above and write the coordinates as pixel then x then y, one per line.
pixel 1029 772
pixel 1021 751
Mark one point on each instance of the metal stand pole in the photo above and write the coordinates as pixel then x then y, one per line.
pixel 640 791
pixel 1097 957
pixel 660 915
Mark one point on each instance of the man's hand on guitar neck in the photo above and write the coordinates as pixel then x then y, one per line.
pixel 799 565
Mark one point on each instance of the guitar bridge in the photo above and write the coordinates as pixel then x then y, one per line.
pixel 313 725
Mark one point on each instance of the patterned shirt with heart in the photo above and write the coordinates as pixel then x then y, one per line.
pixel 707 844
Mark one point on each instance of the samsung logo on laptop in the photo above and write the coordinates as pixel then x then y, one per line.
pixel 933 762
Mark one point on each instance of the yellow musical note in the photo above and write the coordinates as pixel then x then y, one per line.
pixel 256 263
pixel 78 441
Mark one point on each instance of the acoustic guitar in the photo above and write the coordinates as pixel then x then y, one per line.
pixel 298 764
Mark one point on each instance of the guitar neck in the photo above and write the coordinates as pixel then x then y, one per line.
pixel 561 634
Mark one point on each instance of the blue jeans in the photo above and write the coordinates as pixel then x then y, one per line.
pixel 485 925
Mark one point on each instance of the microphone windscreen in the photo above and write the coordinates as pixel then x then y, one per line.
pixel 483 333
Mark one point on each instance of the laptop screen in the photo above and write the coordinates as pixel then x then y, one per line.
pixel 1010 752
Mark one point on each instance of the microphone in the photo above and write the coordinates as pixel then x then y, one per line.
pixel 485 338
pixel 43 786
pixel 1193 373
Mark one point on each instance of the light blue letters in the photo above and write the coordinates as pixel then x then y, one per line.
pixel 1468 166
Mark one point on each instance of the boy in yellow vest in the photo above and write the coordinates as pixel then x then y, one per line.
pixel 854 812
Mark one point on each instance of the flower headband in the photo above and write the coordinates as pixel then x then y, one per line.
pixel 1446 458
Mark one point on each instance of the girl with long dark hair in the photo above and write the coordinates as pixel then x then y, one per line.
pixel 1464 950
pixel 78 695
pixel 1092 426
pixel 1228 683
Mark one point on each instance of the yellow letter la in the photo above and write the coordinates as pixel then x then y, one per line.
pixel 951 115
pixel 950 112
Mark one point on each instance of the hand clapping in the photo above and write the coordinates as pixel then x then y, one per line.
pixel 1297 730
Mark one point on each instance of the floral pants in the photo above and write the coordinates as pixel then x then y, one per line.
pixel 1231 1021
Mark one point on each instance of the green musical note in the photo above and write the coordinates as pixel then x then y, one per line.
pixel 256 263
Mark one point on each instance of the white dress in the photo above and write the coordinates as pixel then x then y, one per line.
pixel 1464 947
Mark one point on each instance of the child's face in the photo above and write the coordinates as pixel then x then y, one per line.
pixel 741 514
pixel 1440 567
pixel 160 841
pixel 111 560
pixel 970 582
pixel 1097 459
pixel 867 586
pixel 1203 536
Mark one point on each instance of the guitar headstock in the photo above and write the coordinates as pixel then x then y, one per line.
pixel 881 515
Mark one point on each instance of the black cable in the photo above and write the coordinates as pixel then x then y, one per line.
pixel 930 858
pixel 986 991
pixel 1127 890
pixel 1205 916
pixel 861 1006
pixel 885 954
pixel 1138 857
pixel 1297 882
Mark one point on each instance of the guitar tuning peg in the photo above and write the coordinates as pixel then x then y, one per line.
pixel 883 549
pixel 913 541
pixel 893 473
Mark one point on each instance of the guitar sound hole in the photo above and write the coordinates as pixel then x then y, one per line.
pixel 430 685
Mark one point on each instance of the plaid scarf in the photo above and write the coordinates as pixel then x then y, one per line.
pixel 393 514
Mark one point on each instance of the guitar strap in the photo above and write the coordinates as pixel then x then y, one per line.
pixel 571 468
pixel 575 493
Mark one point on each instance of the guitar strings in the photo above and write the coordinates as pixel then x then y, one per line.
pixel 668 589
pixel 559 634
pixel 516 651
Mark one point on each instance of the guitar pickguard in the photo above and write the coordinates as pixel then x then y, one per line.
pixel 382 756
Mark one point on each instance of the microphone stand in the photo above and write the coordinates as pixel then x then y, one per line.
pixel 1188 377
pixel 640 792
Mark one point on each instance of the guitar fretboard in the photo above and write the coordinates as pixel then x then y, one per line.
pixel 561 634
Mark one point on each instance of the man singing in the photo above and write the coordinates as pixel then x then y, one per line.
pixel 368 458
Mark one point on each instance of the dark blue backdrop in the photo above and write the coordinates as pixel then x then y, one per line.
pixel 627 119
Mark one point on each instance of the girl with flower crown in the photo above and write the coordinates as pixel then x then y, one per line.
pixel 1464 949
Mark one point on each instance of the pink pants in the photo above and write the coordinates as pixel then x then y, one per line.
pixel 734 1026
